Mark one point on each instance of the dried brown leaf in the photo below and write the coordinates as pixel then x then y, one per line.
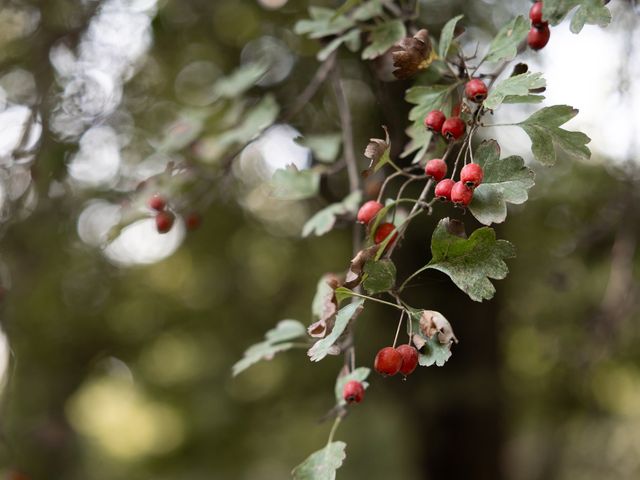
pixel 412 55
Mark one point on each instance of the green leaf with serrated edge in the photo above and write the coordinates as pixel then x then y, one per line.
pixel 383 37
pixel 381 276
pixel 325 146
pixel 505 181
pixel 505 44
pixel 276 340
pixel 543 128
pixel 470 262
pixel 523 99
pixel 516 85
pixel 293 184
pixel 322 347
pixel 592 12
pixel 434 352
pixel 359 375
pixel 323 23
pixel 351 38
pixel 321 465
pixel 324 220
pixel 420 140
pixel 239 81
pixel 446 36
pixel 342 293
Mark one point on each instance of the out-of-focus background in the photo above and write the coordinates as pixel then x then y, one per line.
pixel 116 349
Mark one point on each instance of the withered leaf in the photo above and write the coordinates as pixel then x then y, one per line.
pixel 434 323
pixel 377 151
pixel 354 275
pixel 412 55
pixel 325 306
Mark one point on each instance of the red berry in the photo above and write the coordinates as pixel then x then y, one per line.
pixel 443 189
pixel 157 202
pixel 538 37
pixel 476 90
pixel 193 221
pixel 471 175
pixel 388 361
pixel 535 14
pixel 453 128
pixel 164 221
pixel 353 392
pixel 368 211
pixel 434 120
pixel 436 169
pixel 461 194
pixel 409 359
pixel 383 232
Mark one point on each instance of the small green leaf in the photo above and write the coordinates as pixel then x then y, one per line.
pixel 359 375
pixel 294 184
pixel 591 12
pixel 383 37
pixel 367 11
pixel 381 276
pixel 523 99
pixel 351 39
pixel 322 465
pixel 470 262
pixel 446 36
pixel 323 23
pixel 324 220
pixel 505 180
pixel 543 128
pixel 505 44
pixel 434 352
pixel 241 80
pixel 517 85
pixel 323 347
pixel 276 340
pixel 342 293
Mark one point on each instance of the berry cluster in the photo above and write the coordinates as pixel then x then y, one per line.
pixel 403 359
pixel 367 213
pixel 539 34
pixel 164 217
pixel 450 128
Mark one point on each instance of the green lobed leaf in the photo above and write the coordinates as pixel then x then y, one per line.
pixel 321 465
pixel 446 36
pixel 381 276
pixel 523 99
pixel 368 10
pixel 276 340
pixel 322 347
pixel 516 85
pixel 434 353
pixel 592 12
pixel 431 350
pixel 543 128
pixel 293 184
pixel 505 181
pixel 359 374
pixel 324 220
pixel 383 37
pixel 323 23
pixel 505 44
pixel 470 262
pixel 351 39
pixel 239 81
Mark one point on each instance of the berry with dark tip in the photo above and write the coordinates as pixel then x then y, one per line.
pixel 434 120
pixel 436 168
pixel 471 175
pixel 388 361
pixel 353 392
pixel 453 128
pixel 368 211
pixel 538 37
pixel 409 359
pixel 443 189
pixel 461 194
pixel 476 90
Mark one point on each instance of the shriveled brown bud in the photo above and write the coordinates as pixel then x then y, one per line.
pixel 412 55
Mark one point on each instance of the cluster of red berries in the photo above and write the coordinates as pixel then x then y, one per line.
pixel 367 213
pixel 403 359
pixel 461 192
pixel 164 217
pixel 539 34
pixel 450 128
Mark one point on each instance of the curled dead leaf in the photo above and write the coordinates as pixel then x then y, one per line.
pixel 376 150
pixel 324 324
pixel 434 323
pixel 413 54
pixel 354 275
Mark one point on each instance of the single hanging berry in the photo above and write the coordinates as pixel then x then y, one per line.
pixel 353 392
pixel 409 359
pixel 538 37
pixel 472 175
pixel 535 14
pixel 476 90
pixel 388 361
pixel 453 128
pixel 164 221
pixel 368 211
pixel 157 202
pixel 436 168
pixel 461 194
pixel 434 120
pixel 383 232
pixel 443 189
